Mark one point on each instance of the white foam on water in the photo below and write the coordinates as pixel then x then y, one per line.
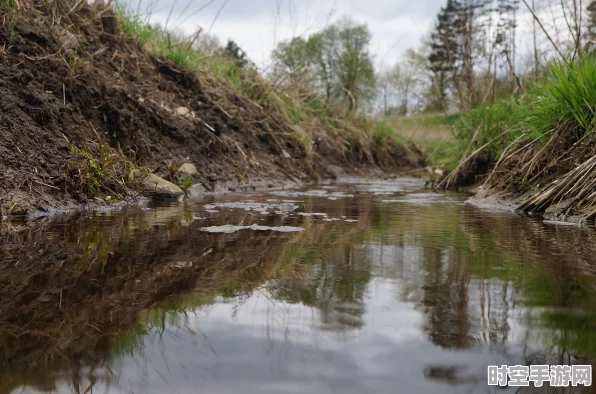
pixel 255 206
pixel 228 228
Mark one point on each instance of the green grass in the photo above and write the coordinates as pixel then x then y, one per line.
pixel 565 97
pixel 135 26
pixel 157 40
pixel 382 133
pixel 568 95
pixel 432 132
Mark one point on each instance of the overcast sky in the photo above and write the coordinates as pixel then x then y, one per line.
pixel 257 25
pixel 396 25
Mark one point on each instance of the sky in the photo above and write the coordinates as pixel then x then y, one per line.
pixel 396 25
pixel 258 25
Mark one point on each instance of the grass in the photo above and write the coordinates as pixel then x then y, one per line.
pixel 76 62
pixel 155 39
pixel 432 132
pixel 95 169
pixel 423 128
pixel 10 9
pixel 135 26
pixel 568 95
pixel 559 109
pixel 98 168
pixel 382 133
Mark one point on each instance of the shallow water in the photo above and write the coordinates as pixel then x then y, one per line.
pixel 370 287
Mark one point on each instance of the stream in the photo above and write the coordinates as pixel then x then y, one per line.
pixel 358 287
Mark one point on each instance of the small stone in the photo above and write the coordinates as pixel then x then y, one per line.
pixel 286 154
pixel 154 186
pixel 212 177
pixel 187 170
pixel 183 111
pixel 68 40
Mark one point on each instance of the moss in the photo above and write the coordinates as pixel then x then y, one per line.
pixel 92 172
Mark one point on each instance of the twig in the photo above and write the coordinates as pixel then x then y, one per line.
pixel 45 184
pixel 543 29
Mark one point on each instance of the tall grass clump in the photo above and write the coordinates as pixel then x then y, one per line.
pixel 566 97
pixel 382 133
pixel 134 25
pixel 491 127
pixel 156 39
pixel 539 124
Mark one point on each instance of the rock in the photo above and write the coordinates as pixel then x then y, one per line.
pixel 187 170
pixel 68 40
pixel 212 177
pixel 285 154
pixel 335 171
pixel 183 111
pixel 155 187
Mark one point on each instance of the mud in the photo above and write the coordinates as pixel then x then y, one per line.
pixel 107 103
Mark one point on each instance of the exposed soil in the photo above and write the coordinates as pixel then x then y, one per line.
pixel 78 93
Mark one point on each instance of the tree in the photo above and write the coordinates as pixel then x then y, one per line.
pixel 504 41
pixel 591 21
pixel 292 61
pixel 335 61
pixel 457 42
pixel 354 67
pixel 446 52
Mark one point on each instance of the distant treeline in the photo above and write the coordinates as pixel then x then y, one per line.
pixel 473 55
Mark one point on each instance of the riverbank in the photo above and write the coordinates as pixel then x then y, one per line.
pixel 83 105
pixel 533 151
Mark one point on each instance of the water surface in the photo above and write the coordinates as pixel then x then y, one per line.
pixel 364 287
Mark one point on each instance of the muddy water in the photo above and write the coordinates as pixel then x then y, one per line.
pixel 370 287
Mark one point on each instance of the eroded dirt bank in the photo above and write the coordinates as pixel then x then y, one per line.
pixel 81 105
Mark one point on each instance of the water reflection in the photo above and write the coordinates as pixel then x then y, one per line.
pixel 405 292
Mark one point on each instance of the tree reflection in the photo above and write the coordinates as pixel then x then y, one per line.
pixel 80 293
